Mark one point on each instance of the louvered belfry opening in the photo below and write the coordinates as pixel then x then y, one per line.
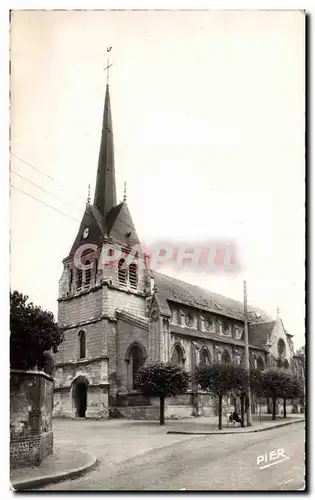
pixel 88 273
pixel 133 276
pixel 79 279
pixel 122 273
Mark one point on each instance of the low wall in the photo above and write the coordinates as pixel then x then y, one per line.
pixel 136 406
pixel 31 402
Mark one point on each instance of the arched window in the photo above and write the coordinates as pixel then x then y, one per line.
pixel 137 360
pixel 133 275
pixel 226 358
pixel 81 336
pixel 88 273
pixel 122 272
pixel 178 356
pixel 79 279
pixel 260 363
pixel 204 356
pixel 281 348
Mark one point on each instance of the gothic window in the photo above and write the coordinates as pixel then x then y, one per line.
pixel 88 273
pixel 281 348
pixel 218 326
pixel 178 356
pixel 137 360
pixel 122 273
pixel 79 279
pixel 133 276
pixel 225 328
pixel 189 320
pixel 207 323
pixel 238 332
pixel 226 358
pixel 260 363
pixel 81 336
pixel 204 356
pixel 174 318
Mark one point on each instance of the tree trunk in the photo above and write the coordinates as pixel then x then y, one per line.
pixel 220 413
pixel 274 408
pixel 162 408
pixel 284 408
pixel 269 409
pixel 242 410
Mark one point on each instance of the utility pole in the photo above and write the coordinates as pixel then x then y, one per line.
pixel 195 402
pixel 247 365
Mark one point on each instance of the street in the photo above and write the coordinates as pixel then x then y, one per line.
pixel 213 462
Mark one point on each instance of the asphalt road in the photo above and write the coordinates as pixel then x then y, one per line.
pixel 227 462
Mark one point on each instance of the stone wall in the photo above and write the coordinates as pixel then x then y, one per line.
pixel 31 401
pixel 95 373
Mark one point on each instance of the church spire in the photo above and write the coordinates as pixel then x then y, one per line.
pixel 105 189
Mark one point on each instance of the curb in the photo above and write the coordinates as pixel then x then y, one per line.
pixel 43 480
pixel 218 432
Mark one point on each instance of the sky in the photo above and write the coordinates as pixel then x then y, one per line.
pixel 208 116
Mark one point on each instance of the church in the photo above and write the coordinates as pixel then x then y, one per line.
pixel 115 318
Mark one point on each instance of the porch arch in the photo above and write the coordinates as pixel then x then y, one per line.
pixel 135 358
pixel 79 389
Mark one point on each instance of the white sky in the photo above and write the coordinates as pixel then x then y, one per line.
pixel 208 114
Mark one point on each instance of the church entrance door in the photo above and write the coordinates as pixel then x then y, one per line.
pixel 80 399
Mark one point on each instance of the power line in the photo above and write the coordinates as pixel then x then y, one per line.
pixel 46 191
pixel 55 196
pixel 59 211
pixel 56 209
pixel 42 172
pixel 46 204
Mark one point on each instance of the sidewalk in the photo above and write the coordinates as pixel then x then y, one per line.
pixel 209 425
pixel 65 462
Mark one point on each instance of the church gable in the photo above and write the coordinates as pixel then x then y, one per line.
pixel 120 226
pixel 91 229
pixel 280 346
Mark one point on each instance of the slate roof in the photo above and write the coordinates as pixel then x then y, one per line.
pixel 175 290
pixel 180 330
pixel 259 333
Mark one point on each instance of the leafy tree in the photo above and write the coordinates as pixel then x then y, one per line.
pixel 272 383
pixel 33 332
pixel 162 380
pixel 221 380
pixel 293 389
pixel 301 352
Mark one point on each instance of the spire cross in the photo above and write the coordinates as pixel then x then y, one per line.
pixel 108 49
pixel 125 191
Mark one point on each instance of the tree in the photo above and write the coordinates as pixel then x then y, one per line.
pixel 293 389
pixel 221 380
pixel 33 332
pixel 162 379
pixel 271 383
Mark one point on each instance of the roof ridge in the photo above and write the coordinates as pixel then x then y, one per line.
pixel 238 302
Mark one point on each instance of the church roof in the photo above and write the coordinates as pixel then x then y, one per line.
pixel 259 333
pixel 174 290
